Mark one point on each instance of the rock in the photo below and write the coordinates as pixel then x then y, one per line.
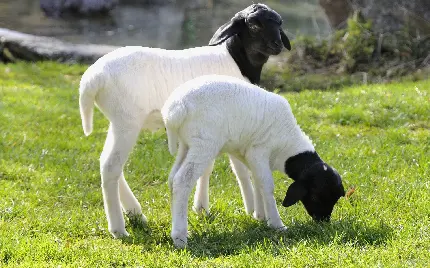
pixel 386 15
pixel 57 8
pixel 36 48
pixel 395 15
pixel 337 11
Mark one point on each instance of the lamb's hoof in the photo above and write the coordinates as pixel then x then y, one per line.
pixel 201 210
pixel 280 227
pixel 144 219
pixel 140 218
pixel 119 233
pixel 249 211
pixel 259 216
pixel 180 243
pixel 137 217
pixel 179 239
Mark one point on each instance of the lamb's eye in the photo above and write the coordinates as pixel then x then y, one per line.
pixel 256 25
pixel 275 21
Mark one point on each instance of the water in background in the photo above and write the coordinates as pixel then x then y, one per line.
pixel 174 25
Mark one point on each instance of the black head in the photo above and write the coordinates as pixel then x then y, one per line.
pixel 259 28
pixel 252 35
pixel 319 187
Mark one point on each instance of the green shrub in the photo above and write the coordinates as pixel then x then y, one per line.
pixel 352 55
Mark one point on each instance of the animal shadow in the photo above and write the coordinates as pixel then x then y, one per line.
pixel 208 239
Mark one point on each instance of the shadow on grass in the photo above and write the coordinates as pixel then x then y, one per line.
pixel 341 232
pixel 211 241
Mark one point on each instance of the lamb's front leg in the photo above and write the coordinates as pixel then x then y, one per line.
pixel 263 179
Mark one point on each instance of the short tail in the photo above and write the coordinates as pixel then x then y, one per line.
pixel 172 137
pixel 89 86
pixel 173 116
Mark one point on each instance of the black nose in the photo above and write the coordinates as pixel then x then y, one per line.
pixel 319 218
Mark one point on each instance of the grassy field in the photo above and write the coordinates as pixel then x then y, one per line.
pixel 51 211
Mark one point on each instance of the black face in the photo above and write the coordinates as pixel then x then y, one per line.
pixel 252 35
pixel 319 188
pixel 265 34
pixel 259 28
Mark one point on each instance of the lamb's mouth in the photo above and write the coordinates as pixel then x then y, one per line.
pixel 273 50
pixel 321 218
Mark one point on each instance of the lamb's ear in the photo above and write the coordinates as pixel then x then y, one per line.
pixel 295 192
pixel 285 40
pixel 234 26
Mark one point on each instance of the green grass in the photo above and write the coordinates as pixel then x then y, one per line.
pixel 51 211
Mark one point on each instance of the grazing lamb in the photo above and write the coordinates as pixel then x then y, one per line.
pixel 215 114
pixel 131 84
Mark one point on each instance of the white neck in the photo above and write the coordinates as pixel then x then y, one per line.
pixel 297 142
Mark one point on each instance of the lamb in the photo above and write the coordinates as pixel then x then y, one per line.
pixel 131 84
pixel 215 114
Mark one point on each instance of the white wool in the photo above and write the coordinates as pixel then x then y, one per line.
pixel 214 114
pixel 236 113
pixel 136 81
pixel 130 86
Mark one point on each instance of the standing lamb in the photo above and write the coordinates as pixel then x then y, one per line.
pixel 131 84
pixel 215 114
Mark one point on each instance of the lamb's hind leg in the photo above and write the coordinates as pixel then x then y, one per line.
pixel 129 203
pixel 193 166
pixel 201 196
pixel 180 156
pixel 259 213
pixel 119 142
pixel 244 179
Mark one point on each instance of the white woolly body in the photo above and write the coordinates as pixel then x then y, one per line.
pixel 132 83
pixel 237 115
pixel 213 114
pixel 130 86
